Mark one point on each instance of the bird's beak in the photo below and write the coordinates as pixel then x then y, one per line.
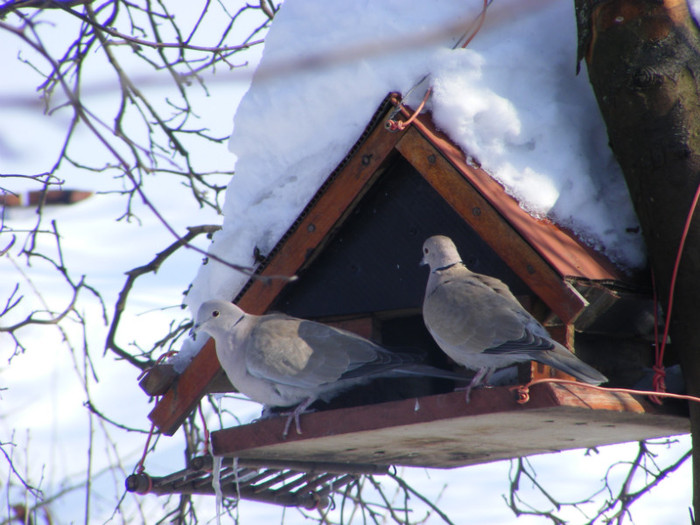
pixel 422 262
pixel 194 330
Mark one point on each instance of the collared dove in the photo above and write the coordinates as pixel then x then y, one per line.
pixel 283 361
pixel 478 322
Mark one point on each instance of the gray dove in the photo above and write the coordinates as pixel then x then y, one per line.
pixel 478 322
pixel 283 361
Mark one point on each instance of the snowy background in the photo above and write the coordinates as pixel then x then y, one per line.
pixel 511 99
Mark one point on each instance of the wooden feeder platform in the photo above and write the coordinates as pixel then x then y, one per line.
pixel 443 431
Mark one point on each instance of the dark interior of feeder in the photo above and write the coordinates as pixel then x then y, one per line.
pixel 370 269
pixel 371 263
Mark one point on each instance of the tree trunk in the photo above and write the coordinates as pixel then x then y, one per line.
pixel 643 60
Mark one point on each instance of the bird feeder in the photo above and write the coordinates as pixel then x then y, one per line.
pixel 355 249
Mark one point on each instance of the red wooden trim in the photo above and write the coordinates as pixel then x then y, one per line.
pixel 484 401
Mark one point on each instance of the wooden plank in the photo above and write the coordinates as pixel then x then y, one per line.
pixel 457 190
pixel 600 298
pixel 444 431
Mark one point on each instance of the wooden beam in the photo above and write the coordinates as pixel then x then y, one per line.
pixel 491 225
pixel 444 431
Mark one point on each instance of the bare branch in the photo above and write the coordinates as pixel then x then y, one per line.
pixel 132 275
pixel 8 457
pixel 617 506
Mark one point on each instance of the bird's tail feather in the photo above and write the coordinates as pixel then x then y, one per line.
pixel 418 370
pixel 565 361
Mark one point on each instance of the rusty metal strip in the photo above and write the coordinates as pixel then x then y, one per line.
pixel 297 488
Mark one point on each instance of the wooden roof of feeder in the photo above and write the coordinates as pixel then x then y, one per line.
pixel 394 190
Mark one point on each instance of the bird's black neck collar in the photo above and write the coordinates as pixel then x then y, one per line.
pixel 447 267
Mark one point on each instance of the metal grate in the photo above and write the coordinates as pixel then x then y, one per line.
pixel 290 484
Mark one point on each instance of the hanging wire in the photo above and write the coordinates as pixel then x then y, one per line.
pixel 479 23
pixel 523 391
pixel 139 466
pixel 660 346
pixel 468 35
pixel 400 125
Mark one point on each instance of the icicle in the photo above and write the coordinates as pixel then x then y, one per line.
pixel 237 481
pixel 216 476
pixel 216 484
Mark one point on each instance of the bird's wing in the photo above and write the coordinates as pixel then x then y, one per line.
pixel 303 354
pixel 496 285
pixel 470 316
pixel 529 345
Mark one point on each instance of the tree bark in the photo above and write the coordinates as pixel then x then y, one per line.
pixel 643 59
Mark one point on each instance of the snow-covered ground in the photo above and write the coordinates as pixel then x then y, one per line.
pixel 511 99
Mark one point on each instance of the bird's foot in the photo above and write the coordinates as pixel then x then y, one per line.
pixel 479 380
pixel 468 390
pixel 294 416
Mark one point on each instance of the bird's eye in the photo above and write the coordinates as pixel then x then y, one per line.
pixel 215 313
pixel 425 251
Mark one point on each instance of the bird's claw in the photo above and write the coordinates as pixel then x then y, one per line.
pixel 467 390
pixel 293 416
